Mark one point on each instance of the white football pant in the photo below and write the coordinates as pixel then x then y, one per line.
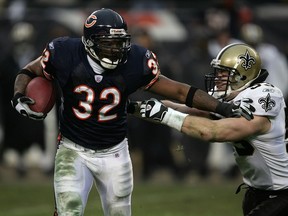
pixel 76 168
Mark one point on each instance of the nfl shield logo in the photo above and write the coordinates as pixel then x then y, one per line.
pixel 98 78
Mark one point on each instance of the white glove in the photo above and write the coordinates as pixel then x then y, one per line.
pixel 21 103
pixel 153 109
pixel 157 111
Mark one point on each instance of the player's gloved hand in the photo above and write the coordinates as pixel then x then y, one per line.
pixel 237 109
pixel 21 103
pixel 153 109
pixel 156 111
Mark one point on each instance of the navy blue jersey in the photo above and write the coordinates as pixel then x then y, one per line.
pixel 93 111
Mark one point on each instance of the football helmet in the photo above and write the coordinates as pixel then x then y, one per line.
pixel 235 68
pixel 106 39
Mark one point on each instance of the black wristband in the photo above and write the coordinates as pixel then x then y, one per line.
pixel 27 72
pixel 131 107
pixel 190 96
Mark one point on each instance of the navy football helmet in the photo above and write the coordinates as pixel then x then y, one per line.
pixel 106 39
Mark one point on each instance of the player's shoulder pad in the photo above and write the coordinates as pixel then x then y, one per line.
pixel 151 64
pixel 147 63
pixel 267 99
pixel 57 41
pixel 63 42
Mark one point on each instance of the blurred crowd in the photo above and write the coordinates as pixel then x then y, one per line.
pixel 185 36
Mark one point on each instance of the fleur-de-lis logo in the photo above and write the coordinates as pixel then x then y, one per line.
pixel 267 102
pixel 248 60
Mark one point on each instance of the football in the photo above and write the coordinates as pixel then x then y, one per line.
pixel 43 92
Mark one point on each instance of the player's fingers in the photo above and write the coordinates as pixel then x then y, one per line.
pixel 142 111
pixel 247 100
pixel 37 118
pixel 248 107
pixel 31 113
pixel 26 100
pixel 252 108
pixel 143 105
pixel 247 114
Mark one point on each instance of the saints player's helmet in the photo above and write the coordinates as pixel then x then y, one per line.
pixel 106 39
pixel 235 68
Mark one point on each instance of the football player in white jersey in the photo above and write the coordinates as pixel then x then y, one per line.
pixel 259 145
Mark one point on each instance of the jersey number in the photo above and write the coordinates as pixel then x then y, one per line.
pixel 86 106
pixel 259 84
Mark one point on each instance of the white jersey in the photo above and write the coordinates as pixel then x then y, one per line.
pixel 263 159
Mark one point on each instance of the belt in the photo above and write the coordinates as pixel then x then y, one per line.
pixel 268 192
pixel 72 145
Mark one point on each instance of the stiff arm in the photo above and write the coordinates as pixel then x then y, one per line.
pixel 222 130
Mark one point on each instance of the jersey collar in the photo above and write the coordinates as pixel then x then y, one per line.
pixel 96 67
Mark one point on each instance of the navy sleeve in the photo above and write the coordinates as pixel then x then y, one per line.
pixel 151 69
pixel 57 59
pixel 141 69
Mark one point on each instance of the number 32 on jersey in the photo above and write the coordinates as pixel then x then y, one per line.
pixel 86 106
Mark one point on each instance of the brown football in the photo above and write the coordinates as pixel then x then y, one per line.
pixel 43 92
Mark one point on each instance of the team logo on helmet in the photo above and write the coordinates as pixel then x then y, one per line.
pixel 90 21
pixel 248 60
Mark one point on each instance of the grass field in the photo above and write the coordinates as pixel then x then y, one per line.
pixel 35 198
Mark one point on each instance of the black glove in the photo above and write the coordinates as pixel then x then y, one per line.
pixel 153 109
pixel 21 103
pixel 237 109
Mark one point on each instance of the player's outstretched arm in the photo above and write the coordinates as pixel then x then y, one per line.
pixel 228 129
pixel 185 109
pixel 194 97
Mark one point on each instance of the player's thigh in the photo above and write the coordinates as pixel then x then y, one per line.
pixel 71 176
pixel 116 180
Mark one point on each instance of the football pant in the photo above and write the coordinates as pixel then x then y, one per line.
pixel 76 168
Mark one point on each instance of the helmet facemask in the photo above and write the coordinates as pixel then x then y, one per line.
pixel 107 49
pixel 218 83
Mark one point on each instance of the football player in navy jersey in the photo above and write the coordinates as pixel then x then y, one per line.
pixel 96 75
pixel 259 145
